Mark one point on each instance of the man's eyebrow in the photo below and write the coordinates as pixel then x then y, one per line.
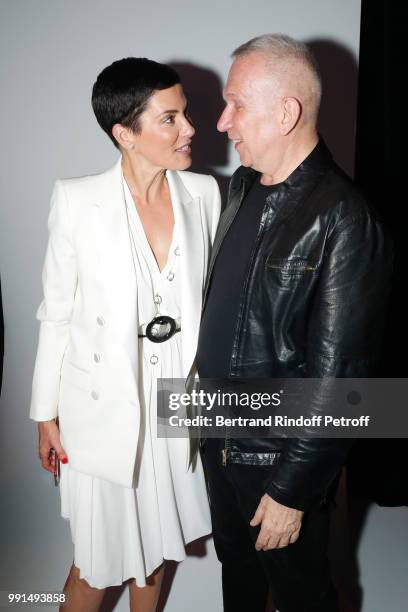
pixel 228 94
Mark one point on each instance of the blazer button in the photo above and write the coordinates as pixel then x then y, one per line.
pixel 95 395
pixel 100 321
pixel 170 276
pixel 154 359
pixel 97 357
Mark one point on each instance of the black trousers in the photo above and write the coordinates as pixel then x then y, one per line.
pixel 298 575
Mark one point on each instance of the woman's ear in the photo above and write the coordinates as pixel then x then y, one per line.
pixel 123 136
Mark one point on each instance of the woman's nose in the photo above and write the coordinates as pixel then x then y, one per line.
pixel 188 128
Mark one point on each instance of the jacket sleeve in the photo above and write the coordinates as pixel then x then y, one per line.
pixel 59 285
pixel 344 339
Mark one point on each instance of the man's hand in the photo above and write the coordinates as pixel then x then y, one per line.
pixel 280 524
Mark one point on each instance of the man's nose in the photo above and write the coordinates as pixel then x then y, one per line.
pixel 224 121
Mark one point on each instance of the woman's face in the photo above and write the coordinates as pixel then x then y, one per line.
pixel 166 131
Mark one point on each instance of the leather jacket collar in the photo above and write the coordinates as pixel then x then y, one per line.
pixel 294 188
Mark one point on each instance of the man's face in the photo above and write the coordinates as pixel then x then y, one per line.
pixel 251 115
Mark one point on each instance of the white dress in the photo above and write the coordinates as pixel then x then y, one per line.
pixel 118 532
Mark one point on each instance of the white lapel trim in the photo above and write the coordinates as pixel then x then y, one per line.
pixel 117 263
pixel 187 214
pixel 116 267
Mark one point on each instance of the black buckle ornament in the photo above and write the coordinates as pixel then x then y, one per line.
pixel 154 331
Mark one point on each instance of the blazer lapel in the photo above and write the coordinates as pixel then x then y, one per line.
pixel 187 215
pixel 116 260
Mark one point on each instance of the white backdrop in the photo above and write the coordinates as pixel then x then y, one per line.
pixel 50 54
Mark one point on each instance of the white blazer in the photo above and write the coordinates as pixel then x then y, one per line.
pixel 86 369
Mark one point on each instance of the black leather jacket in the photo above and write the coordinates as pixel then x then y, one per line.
pixel 312 305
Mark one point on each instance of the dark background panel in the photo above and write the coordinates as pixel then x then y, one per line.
pixel 377 467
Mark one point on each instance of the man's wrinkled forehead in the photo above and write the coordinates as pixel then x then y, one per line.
pixel 247 76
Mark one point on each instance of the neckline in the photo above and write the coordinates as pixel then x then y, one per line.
pixel 148 249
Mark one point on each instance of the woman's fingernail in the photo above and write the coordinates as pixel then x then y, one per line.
pixel 64 460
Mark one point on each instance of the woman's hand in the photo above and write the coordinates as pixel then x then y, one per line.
pixel 48 438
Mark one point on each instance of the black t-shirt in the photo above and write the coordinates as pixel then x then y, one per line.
pixel 230 270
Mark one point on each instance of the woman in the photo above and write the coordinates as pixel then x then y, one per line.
pixel 125 246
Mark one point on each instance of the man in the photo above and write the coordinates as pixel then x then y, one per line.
pixel 297 287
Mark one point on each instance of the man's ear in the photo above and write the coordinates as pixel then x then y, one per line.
pixel 292 111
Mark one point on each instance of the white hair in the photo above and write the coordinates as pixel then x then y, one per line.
pixel 284 50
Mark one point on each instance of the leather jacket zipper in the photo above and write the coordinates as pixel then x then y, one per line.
pixel 224 451
pixel 243 304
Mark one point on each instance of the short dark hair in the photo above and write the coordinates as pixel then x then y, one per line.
pixel 122 90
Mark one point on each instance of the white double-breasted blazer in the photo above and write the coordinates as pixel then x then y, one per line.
pixel 86 370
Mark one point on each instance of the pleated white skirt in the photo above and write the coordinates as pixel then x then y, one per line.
pixel 120 533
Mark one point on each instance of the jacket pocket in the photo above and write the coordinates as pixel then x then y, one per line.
pixel 294 266
pixel 75 376
pixel 253 457
pixel 291 273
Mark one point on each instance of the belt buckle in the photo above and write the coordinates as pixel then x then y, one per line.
pixel 161 320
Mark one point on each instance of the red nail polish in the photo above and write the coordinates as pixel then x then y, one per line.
pixel 64 460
